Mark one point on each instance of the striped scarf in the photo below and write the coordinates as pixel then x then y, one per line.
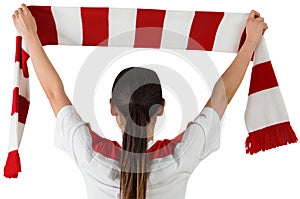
pixel 265 116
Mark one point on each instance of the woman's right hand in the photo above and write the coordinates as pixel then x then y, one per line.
pixel 255 28
pixel 24 22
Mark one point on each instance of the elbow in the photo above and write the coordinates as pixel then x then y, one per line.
pixel 221 95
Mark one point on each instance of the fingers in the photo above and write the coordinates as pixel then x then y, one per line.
pixel 253 14
pixel 260 19
pixel 21 10
pixel 264 30
pixel 16 14
pixel 265 27
pixel 24 8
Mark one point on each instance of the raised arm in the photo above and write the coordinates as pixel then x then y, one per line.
pixel 228 83
pixel 47 75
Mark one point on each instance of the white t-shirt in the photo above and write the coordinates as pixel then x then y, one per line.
pixel 172 161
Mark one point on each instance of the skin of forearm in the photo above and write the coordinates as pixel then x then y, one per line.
pixel 233 76
pixel 228 83
pixel 47 75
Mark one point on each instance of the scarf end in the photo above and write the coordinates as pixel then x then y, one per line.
pixel 270 137
pixel 13 165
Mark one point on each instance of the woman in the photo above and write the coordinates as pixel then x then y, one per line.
pixel 140 168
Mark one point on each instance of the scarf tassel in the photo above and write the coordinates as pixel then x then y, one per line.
pixel 13 165
pixel 270 137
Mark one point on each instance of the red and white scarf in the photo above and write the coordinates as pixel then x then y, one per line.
pixel 266 116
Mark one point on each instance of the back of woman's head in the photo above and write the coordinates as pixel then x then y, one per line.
pixel 137 94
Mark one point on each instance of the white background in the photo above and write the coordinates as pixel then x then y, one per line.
pixel 229 173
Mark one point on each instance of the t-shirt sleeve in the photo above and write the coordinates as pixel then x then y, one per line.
pixel 200 139
pixel 73 136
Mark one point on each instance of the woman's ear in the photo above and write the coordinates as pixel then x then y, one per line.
pixel 113 108
pixel 161 109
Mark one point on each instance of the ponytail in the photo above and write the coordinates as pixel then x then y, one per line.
pixel 137 93
pixel 134 175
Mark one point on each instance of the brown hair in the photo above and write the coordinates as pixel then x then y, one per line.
pixel 137 94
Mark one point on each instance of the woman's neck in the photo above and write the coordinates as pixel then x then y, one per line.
pixel 150 131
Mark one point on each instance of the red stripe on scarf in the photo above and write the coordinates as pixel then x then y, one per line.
pixel 111 149
pixel 242 41
pixel 20 105
pixel 106 147
pixel 46 27
pixel 262 77
pixel 21 56
pixel 149 27
pixel 163 148
pixel 18 49
pixel 95 26
pixel 203 30
pixel 23 63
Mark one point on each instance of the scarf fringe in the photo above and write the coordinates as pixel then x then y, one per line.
pixel 270 137
pixel 13 165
